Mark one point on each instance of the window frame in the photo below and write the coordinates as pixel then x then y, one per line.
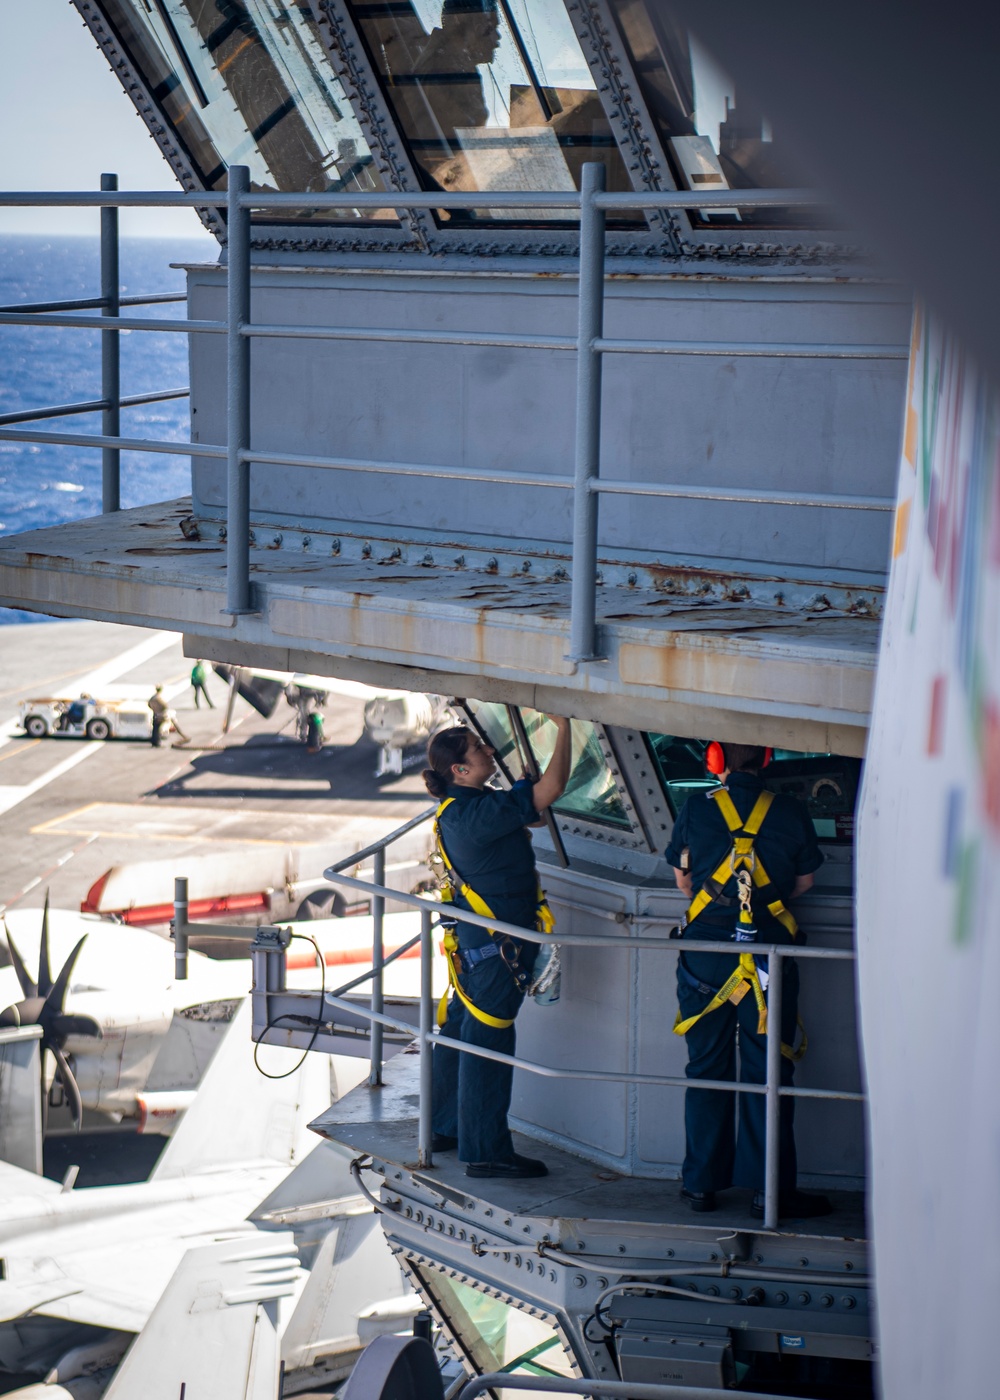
pixel 635 837
pixel 423 1271
pixel 669 237
pixel 348 53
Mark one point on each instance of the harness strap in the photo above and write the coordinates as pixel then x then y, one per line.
pixel 743 979
pixel 452 955
pixel 740 858
pixel 545 924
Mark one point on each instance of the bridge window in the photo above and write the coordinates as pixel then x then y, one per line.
pixel 714 137
pixel 246 84
pixel 497 1336
pixel 490 95
pixel 826 783
pixel 591 793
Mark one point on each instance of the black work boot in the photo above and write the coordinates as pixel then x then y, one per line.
pixel 701 1201
pixel 510 1167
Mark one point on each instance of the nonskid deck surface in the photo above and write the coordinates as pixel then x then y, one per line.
pixel 71 809
pixel 383 1123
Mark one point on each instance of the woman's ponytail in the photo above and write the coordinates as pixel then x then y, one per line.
pixel 445 750
pixel 436 785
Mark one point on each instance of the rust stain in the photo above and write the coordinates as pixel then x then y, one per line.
pixel 709 668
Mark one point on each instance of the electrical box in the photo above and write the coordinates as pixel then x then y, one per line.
pixel 675 1353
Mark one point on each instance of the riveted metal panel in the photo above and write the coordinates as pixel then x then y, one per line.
pixel 821 426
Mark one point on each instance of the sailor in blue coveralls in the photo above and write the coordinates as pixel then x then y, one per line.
pixel 483 832
pixel 717 1155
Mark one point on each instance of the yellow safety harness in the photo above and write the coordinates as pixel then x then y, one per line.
pixel 455 885
pixel 743 862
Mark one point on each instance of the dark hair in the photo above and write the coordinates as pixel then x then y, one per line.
pixel 445 749
pixel 744 758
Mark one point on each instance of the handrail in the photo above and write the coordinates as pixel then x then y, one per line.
pixel 63 410
pixel 409 199
pixel 376 846
pixel 615 1390
pixel 115 323
pixel 40 308
pixel 586 940
pixel 772 1089
pixel 591 201
pixel 172 449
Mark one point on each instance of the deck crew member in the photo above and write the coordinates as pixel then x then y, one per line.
pixel 161 712
pixel 164 718
pixel 199 684
pixel 491 865
pixel 740 854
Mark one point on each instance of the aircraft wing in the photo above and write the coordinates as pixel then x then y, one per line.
pixel 34 1292
pixel 16 1182
pixel 215 1330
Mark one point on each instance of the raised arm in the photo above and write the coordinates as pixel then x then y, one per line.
pixel 552 784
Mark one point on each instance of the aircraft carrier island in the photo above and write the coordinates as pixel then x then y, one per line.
pixel 537 379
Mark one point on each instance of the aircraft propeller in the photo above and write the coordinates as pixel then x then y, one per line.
pixel 42 1005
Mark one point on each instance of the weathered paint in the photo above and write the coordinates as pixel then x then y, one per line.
pixel 718 665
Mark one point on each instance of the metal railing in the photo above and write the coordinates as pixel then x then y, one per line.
pixel 592 204
pixel 614 1390
pixel 111 323
pixel 274 1003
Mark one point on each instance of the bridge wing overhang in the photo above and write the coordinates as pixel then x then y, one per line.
pixel 730 667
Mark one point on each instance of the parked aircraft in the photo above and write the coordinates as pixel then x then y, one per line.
pixel 223 1300
pixel 128 1039
pixel 115 1020
pixel 85 1270
pixel 401 719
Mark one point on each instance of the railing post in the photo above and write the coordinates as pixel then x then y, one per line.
pixel 378 959
pixel 110 355
pixel 772 1127
pixel 590 322
pixel 180 928
pixel 424 1155
pixel 238 396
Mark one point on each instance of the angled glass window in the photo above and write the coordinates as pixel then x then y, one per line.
pixel 591 793
pixel 249 82
pixel 490 95
pixel 714 138
pixel 497 1336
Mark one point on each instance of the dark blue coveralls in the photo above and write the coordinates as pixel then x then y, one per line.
pixel 483 832
pixel 717 1156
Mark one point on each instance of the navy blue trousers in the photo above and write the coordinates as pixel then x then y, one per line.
pixel 725 1147
pixel 472 1094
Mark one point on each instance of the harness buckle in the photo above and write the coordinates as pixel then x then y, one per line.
pixel 744 885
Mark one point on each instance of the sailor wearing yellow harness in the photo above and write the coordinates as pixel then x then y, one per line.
pixel 739 853
pixel 487 854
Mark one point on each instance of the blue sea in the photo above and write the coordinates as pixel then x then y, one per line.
pixel 44 484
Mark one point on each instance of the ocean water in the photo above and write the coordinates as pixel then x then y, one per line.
pixel 44 484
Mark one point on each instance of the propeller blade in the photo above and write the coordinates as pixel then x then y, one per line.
pixel 68 1023
pixel 28 1012
pixel 73 1095
pixel 44 974
pixel 23 976
pixel 56 994
pixel 10 1017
